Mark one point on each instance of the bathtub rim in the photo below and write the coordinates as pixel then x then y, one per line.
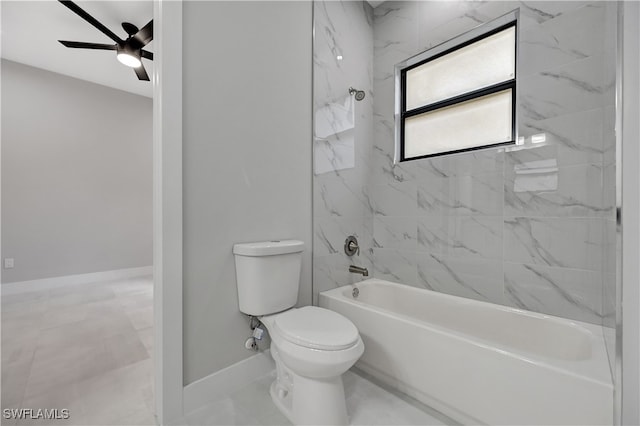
pixel 583 369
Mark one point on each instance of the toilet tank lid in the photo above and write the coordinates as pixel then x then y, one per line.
pixel 268 248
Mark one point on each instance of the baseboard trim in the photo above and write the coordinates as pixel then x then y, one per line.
pixel 55 282
pixel 226 381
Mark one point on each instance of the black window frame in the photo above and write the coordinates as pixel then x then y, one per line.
pixel 458 99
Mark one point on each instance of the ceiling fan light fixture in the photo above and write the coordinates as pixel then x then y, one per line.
pixel 129 60
pixel 129 57
pixel 129 51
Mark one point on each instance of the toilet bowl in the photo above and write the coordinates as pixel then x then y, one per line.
pixel 312 347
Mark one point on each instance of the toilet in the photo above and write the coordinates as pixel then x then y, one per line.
pixel 311 346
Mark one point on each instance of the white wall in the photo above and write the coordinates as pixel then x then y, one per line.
pixel 630 297
pixel 246 159
pixel 76 175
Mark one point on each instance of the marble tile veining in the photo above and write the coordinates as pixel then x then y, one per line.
pixel 395 265
pixel 478 195
pixel 577 86
pixel 540 188
pixel 395 199
pixel 478 279
pixel 567 38
pixel 534 12
pixel 330 233
pixel 396 232
pixel 571 139
pixel 565 292
pixel 560 242
pixel 478 237
pixel 342 201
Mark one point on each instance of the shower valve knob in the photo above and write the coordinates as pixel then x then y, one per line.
pixel 351 246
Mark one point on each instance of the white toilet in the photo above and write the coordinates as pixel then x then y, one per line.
pixel 311 346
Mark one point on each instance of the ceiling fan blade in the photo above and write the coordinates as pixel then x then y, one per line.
pixel 90 19
pixel 145 35
pixel 147 55
pixel 83 45
pixel 141 73
pixel 129 28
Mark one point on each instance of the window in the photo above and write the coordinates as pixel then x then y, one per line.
pixel 459 96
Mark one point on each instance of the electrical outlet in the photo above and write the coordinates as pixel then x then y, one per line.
pixel 8 263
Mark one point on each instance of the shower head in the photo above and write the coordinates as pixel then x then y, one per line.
pixel 359 94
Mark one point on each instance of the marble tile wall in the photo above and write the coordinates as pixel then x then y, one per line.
pixel 528 227
pixel 343 58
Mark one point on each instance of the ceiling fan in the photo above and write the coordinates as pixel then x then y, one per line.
pixel 130 51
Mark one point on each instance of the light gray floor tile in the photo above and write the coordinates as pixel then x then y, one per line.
pixel 18 346
pixel 255 400
pixel 370 404
pixel 15 300
pixel 76 347
pixel 223 412
pixel 146 337
pixel 126 348
pixel 64 397
pixel 141 318
pixel 14 382
pixel 114 397
pixel 56 317
pixel 139 419
pixel 367 404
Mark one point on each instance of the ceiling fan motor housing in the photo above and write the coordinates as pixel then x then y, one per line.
pixel 127 49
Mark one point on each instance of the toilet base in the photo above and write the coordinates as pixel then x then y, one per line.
pixel 306 401
pixel 281 400
pixel 315 402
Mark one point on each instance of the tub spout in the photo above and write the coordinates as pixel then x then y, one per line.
pixel 359 270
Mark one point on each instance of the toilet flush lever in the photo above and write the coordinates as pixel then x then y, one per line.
pixel 351 246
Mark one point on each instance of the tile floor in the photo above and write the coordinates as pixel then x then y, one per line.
pixel 88 348
pixel 83 347
pixel 367 404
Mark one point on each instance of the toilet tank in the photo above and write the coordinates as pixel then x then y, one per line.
pixel 268 275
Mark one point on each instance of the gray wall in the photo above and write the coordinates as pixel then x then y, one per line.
pixel 247 157
pixel 76 175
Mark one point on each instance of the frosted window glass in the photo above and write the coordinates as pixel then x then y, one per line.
pixel 486 62
pixel 486 120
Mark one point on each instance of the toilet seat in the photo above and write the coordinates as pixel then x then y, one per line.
pixel 316 328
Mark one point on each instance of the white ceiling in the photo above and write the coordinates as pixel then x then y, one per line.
pixel 31 29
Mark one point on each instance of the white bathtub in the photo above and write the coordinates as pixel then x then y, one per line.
pixel 478 362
